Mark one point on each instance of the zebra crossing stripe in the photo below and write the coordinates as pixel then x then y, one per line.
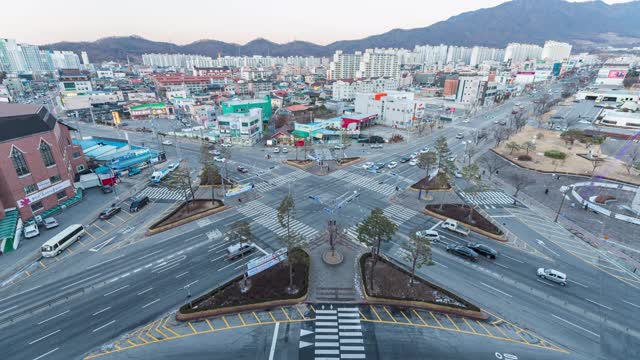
pixel 267 217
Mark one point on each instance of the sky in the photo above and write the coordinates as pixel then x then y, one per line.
pixel 46 21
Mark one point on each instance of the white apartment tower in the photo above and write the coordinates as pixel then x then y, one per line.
pixel 555 51
pixel 517 53
pixel 479 54
pixel 379 63
pixel 344 66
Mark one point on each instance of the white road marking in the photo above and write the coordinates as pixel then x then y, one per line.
pixel 512 258
pixel 261 249
pixel 351 341
pixel 326 337
pixel 101 311
pixel 145 291
pixel 506 267
pixel 104 262
pixel 545 282
pixel 443 265
pixel 491 287
pixel 597 303
pixel 181 274
pixel 632 304
pixel 326 323
pixel 45 354
pixel 20 293
pixel 352 356
pixel 79 281
pixel 53 317
pixel 5 310
pixel 272 352
pixel 577 283
pixel 103 326
pixel 327 344
pixel 355 333
pixel 150 254
pixel 328 330
pixel 350 327
pixel 151 303
pixel 326 317
pixel 44 337
pixel 116 290
pixel 572 324
pixel 191 283
pixel 352 348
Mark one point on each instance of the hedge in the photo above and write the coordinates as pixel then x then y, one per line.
pixel 555 154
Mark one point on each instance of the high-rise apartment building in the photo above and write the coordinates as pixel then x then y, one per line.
pixel 517 53
pixel 555 51
pixel 480 54
pixel 344 66
pixel 379 63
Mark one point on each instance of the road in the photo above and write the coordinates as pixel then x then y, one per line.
pixel 94 296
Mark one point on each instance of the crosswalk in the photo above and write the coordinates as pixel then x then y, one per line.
pixel 363 181
pixel 162 193
pixel 338 334
pixel 396 213
pixel 268 217
pixel 281 180
pixel 487 198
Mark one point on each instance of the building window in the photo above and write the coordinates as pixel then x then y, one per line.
pixel 36 206
pixel 19 163
pixel 76 154
pixel 80 168
pixel 61 195
pixel 30 189
pixel 47 156
pixel 54 179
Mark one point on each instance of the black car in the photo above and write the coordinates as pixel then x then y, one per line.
pixel 463 251
pixel 405 159
pixel 138 203
pixel 109 212
pixel 483 250
pixel 371 140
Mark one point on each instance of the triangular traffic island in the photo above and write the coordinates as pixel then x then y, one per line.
pixel 460 213
pixel 267 289
pixel 185 213
pixel 389 284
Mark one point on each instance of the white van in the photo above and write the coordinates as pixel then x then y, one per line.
pixel 237 250
pixel 432 235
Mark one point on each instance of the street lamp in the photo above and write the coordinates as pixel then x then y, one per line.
pixel 564 191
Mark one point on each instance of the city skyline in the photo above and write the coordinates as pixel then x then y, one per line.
pixel 204 21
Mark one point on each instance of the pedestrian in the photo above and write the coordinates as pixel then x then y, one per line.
pixel 546 191
pixel 397 188
pixel 239 200
pixel 483 171
pixel 497 172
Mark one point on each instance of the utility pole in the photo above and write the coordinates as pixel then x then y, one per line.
pixel 564 194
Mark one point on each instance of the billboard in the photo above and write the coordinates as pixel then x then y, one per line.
pixel 617 74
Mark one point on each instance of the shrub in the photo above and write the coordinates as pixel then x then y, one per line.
pixel 555 154
pixel 524 157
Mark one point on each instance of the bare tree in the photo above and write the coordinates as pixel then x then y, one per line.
pixel 513 146
pixel 180 179
pixel 519 181
pixel 499 135
pixel 529 146
pixel 493 163
pixel 595 163
pixel 518 120
pixel 418 253
pixel 631 160
pixel 469 151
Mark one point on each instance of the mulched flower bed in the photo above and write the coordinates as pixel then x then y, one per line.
pixel 392 282
pixel 347 160
pixel 217 180
pixel 439 182
pixel 183 211
pixel 300 162
pixel 268 285
pixel 602 199
pixel 460 212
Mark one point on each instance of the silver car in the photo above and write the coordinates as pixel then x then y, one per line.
pixel 553 275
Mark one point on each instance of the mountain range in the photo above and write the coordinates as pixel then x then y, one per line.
pixel 584 24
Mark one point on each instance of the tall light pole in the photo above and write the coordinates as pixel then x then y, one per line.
pixel 564 195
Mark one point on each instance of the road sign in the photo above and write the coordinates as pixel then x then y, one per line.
pixel 261 264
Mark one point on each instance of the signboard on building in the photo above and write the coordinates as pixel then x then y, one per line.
pixel 258 265
pixel 43 184
pixel 43 194
pixel 617 74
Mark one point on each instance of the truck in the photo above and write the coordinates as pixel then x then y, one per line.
pixel 158 175
pixel 453 225
pixel 88 181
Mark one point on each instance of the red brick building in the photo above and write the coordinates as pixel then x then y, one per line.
pixel 450 87
pixel 38 161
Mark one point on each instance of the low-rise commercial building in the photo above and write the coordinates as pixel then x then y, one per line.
pixel 243 128
pixel 396 109
pixel 243 106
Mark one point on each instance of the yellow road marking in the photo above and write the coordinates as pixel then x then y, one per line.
pixel 81 243
pixel 503 333
pixel 362 315
pixel 312 308
pixel 242 319
pixel 209 323
pixel 420 317
pixel 469 325
pixel 108 222
pixel 256 316
pixel 42 264
pixel 225 322
pixel 388 313
pixel 405 316
pixel 71 251
pixel 485 329
pixel 436 319
pixel 160 331
pixel 272 317
pixel 169 329
pixel 192 328
pixel 88 233
pixel 120 218
pixel 375 312
pixel 285 314
pixel 300 312
pixel 132 343
pixel 496 322
pixel 101 229
pixel 453 322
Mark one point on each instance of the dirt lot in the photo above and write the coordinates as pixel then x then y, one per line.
pixel 268 285
pixel 610 167
pixel 461 213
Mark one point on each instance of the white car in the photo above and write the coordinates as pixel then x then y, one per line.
pixel 459 135
pixel 553 275
pixel 392 165
pixel 31 230
pixel 424 150
pixel 376 146
pixel 465 121
pixel 413 162
pixel 414 155
pixel 167 142
pixel 215 152
pixel 285 150
pixel 219 159
pixel 276 150
pixel 50 223
pixel 339 146
pixel 226 145
pixel 367 165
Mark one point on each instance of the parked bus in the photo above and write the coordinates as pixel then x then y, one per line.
pixel 62 240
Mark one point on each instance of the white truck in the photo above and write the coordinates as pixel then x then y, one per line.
pixel 88 181
pixel 453 225
pixel 158 175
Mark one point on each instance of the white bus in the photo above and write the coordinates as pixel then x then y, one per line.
pixel 62 240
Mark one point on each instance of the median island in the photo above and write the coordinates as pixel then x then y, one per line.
pixel 267 289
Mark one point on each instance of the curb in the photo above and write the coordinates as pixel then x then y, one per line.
pixel 500 238
pixel 288 162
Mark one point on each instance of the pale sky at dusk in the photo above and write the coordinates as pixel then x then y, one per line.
pixel 324 21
